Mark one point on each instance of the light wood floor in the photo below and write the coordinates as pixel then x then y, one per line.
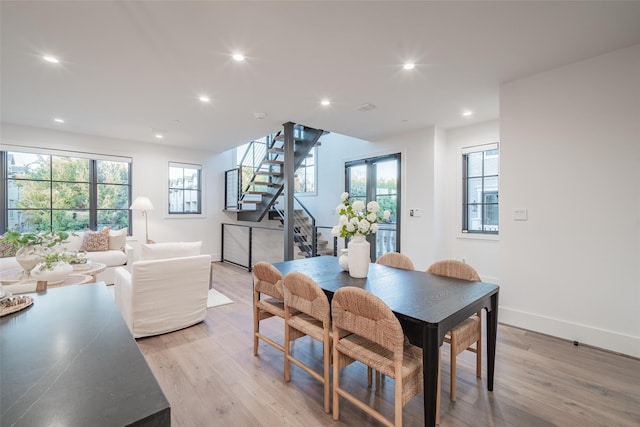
pixel 210 376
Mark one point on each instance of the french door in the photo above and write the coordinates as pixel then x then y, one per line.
pixel 378 178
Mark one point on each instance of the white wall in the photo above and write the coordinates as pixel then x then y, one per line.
pixel 570 154
pixel 149 178
pixel 417 184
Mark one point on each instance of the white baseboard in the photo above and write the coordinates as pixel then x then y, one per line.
pixel 608 340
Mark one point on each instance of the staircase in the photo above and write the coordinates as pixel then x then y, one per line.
pixel 308 241
pixel 266 183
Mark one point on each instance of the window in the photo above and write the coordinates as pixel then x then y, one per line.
pixel 305 176
pixel 64 191
pixel 378 178
pixel 480 189
pixel 185 189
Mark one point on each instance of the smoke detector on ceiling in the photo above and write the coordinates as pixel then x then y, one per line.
pixel 259 116
pixel 367 106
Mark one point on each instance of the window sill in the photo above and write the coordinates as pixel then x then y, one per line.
pixel 478 236
pixel 185 216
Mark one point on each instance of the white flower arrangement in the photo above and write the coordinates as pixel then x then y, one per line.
pixel 356 220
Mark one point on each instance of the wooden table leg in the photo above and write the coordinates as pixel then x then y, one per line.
pixel 430 353
pixel 41 285
pixel 492 333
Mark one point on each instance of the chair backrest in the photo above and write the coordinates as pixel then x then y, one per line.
pixel 303 293
pixel 267 280
pixel 357 311
pixel 397 260
pixel 454 268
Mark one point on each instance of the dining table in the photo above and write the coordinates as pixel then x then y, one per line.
pixel 427 306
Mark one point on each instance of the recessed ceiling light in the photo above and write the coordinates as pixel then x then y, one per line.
pixel 467 113
pixel 325 102
pixel 51 59
pixel 58 120
pixel 159 135
pixel 238 57
pixel 204 98
pixel 409 66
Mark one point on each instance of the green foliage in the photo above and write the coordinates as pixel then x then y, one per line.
pixel 58 197
pixel 48 239
pixel 70 258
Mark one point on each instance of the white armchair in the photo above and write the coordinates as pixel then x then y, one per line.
pixel 163 295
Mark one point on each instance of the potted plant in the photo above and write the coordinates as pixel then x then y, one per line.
pixel 31 248
pixel 54 268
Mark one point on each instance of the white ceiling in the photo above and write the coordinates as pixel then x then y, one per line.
pixel 128 67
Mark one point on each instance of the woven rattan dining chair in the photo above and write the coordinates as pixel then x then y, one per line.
pixel 303 295
pixel 469 331
pixel 365 329
pixel 268 300
pixel 397 260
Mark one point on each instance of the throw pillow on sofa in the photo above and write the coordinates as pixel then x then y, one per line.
pixel 7 250
pixel 169 250
pixel 96 241
pixel 118 239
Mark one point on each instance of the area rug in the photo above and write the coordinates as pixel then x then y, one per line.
pixel 215 299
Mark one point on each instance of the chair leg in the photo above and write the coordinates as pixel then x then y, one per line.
pixel 287 363
pixel 454 352
pixel 256 328
pixel 327 363
pixel 336 383
pixel 398 394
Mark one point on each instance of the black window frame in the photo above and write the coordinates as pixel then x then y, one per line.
pixel 198 189
pixel 482 205
pixel 93 184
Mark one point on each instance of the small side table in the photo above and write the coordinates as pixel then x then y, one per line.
pixel 92 270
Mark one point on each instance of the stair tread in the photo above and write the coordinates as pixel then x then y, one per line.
pixel 270 184
pixel 273 162
pixel 269 173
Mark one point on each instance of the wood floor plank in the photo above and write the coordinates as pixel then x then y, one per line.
pixel 210 377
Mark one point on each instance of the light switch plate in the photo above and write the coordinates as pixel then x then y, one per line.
pixel 520 214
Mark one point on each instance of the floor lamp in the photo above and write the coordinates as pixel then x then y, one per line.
pixel 143 204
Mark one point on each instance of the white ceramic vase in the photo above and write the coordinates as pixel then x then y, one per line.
pixel 344 259
pixel 29 256
pixel 359 257
pixel 58 272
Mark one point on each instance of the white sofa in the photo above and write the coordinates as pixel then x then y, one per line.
pixel 119 254
pixel 166 290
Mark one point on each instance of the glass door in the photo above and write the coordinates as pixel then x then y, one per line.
pixel 378 179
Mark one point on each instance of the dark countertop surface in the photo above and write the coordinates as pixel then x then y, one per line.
pixel 70 360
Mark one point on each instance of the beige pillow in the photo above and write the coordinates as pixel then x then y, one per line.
pixel 96 241
pixel 169 250
pixel 118 239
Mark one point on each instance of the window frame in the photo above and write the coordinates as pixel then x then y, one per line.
pixel 465 230
pixel 200 191
pixel 303 168
pixel 93 184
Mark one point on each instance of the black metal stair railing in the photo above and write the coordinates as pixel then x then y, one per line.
pixel 305 234
pixel 267 181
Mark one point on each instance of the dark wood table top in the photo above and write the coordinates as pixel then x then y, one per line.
pixel 70 360
pixel 413 294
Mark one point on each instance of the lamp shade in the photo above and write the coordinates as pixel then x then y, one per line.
pixel 141 203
